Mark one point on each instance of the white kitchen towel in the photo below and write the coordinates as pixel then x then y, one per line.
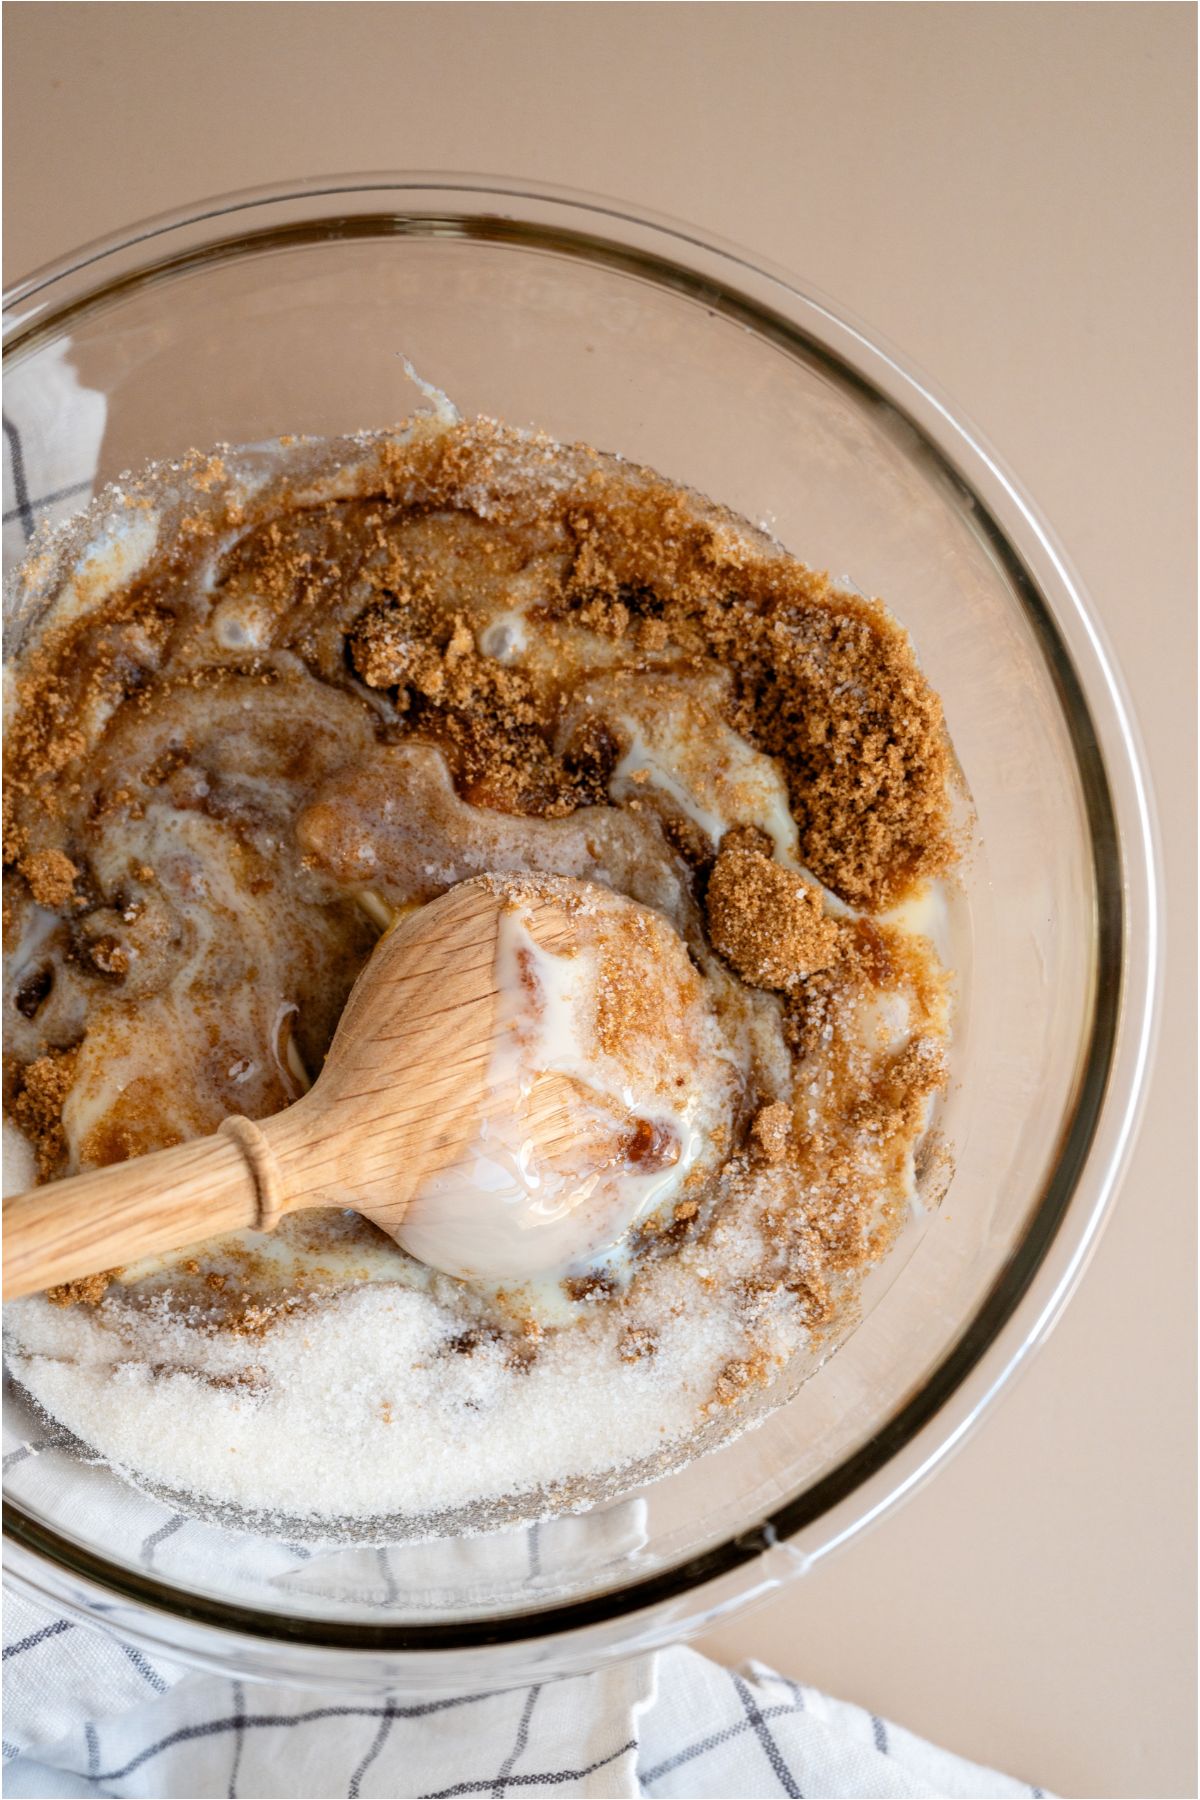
pixel 53 428
pixel 88 1714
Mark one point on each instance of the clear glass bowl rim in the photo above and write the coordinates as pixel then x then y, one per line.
pixel 1096 1139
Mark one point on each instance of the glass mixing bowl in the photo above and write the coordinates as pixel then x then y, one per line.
pixel 289 311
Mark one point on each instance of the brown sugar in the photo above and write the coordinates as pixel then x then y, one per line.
pixel 636 1342
pixel 742 1373
pixel 42 1087
pixel 771 1132
pixel 109 956
pixel 51 876
pixel 767 921
pixel 87 1290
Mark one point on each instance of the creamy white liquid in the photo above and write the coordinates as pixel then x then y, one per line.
pixel 509 1211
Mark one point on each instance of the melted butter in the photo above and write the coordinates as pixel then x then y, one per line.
pixel 39 928
pixel 505 637
pixel 111 562
pixel 242 622
pixel 926 913
pixel 731 784
pixel 393 823
pixel 675 743
pixel 509 1209
pixel 377 908
pixel 444 409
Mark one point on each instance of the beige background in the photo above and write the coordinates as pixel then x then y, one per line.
pixel 1005 192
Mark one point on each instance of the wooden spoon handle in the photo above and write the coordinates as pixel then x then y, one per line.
pixel 154 1204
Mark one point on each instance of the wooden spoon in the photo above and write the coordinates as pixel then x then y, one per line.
pixel 401 1095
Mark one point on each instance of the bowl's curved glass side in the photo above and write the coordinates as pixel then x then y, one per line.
pixel 301 329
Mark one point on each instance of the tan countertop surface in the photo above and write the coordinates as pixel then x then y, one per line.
pixel 1007 194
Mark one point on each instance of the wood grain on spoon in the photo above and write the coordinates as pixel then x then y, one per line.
pixel 400 1096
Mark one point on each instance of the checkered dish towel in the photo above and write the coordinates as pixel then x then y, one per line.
pixel 86 1713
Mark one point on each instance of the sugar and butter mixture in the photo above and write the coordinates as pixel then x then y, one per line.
pixel 263 702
